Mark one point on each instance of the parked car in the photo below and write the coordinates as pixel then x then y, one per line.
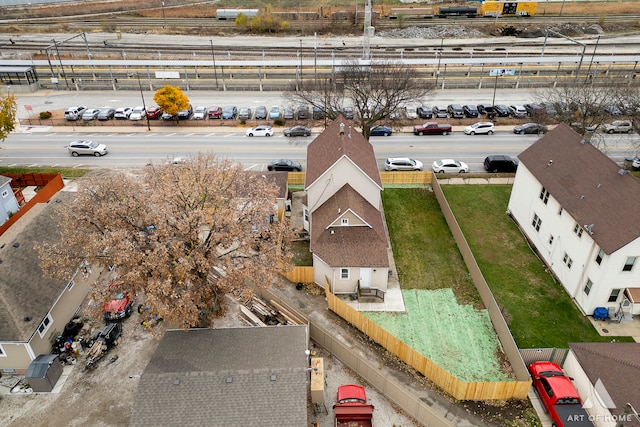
pixel 402 164
pixel 274 112
pixel 244 113
pixel 297 131
pixel 262 130
pixel 533 108
pixel 501 110
pixel 123 112
pixel 424 112
pixel 535 128
pixel 303 112
pixel 138 113
pixel 261 113
pixel 485 109
pixel 517 111
pixel 500 163
pixel 82 147
pixel 551 109
pixel 613 110
pixel 381 131
pixel 470 111
pixel 617 126
pixel 449 166
pixel 479 128
pixel 439 112
pixel 347 112
pixel 318 113
pixel 120 306
pixel 186 113
pixel 215 112
pixel 284 165
pixel 432 128
pixel 90 114
pixel 229 113
pixel 288 114
pixel 74 113
pixel 106 113
pixel 455 111
pixel 167 116
pixel 154 113
pixel 200 113
pixel 411 112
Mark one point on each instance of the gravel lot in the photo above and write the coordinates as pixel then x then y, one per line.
pixel 104 396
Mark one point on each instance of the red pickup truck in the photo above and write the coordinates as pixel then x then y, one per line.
pixel 352 409
pixel 432 128
pixel 558 395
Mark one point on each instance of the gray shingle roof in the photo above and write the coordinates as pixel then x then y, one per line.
pixel 24 292
pixel 226 377
pixel 587 185
pixel 331 145
pixel 617 366
pixel 349 246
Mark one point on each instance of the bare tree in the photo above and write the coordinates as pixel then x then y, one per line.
pixel 183 234
pixel 375 90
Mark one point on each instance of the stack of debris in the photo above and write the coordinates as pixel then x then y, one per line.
pixel 257 312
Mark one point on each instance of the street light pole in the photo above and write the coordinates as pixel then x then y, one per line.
pixel 164 19
pixel 300 61
pixel 213 55
pixel 143 104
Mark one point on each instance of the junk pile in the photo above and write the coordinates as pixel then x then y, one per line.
pixel 257 312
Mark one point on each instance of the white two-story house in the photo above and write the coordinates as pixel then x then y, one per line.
pixel 343 213
pixel 581 212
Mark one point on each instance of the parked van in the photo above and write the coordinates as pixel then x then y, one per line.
pixel 500 163
pixel 74 113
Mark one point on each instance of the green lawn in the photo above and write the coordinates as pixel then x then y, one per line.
pixel 538 310
pixel 65 172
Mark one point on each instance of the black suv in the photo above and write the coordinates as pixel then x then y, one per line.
pixel 470 111
pixel 185 114
pixel 424 112
pixel 502 110
pixel 499 163
pixel 455 111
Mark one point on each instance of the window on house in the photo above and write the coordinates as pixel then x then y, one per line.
pixel 345 221
pixel 44 326
pixel 560 211
pixel 551 240
pixel 578 230
pixel 537 222
pixel 613 296
pixel 599 257
pixel 70 285
pixel 5 193
pixel 587 287
pixel 544 195
pixel 628 264
pixel 567 260
pixel 344 273
pixel 306 215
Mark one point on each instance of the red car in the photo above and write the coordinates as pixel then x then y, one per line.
pixel 154 112
pixel 432 128
pixel 120 306
pixel 215 112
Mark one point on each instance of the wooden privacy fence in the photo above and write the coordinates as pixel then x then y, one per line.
pixel 300 274
pixel 461 390
pixel 52 183
pixel 418 178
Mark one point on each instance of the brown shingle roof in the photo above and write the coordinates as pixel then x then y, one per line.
pixel 279 179
pixel 617 366
pixel 25 293
pixel 331 145
pixel 588 185
pixel 349 246
pixel 225 377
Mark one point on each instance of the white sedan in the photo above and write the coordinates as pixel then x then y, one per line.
pixel 450 166
pixel 262 130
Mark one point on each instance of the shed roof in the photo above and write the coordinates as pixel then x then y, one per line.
pixel 588 185
pixel 235 376
pixel 27 296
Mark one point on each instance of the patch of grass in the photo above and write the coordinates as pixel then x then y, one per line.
pixel 65 172
pixel 425 253
pixel 538 310
pixel 301 254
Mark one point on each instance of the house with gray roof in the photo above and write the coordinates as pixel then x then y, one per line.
pixel 606 375
pixel 348 236
pixel 34 309
pixel 579 210
pixel 226 377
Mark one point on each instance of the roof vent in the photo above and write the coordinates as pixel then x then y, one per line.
pixel 332 232
pixel 599 185
pixel 582 197
pixel 623 172
pixel 229 380
pixel 341 128
pixel 16 245
pixel 176 381
pixel 27 318
pixel 589 228
pixel 550 163
pixel 273 378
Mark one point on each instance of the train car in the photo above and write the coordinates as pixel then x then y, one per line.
pixel 411 12
pixel 469 12
pixel 506 8
pixel 224 14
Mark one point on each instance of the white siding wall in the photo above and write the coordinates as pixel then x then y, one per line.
pixel 344 171
pixel 525 202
